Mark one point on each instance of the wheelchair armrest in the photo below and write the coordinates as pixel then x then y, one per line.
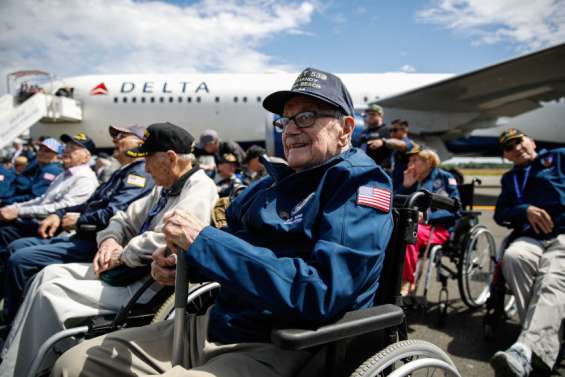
pixel 87 228
pixel 471 213
pixel 353 323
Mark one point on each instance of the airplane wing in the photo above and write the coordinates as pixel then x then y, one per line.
pixel 502 90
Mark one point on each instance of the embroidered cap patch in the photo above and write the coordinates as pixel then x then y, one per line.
pixel 374 197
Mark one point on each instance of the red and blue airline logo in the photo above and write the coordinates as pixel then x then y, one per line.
pixel 99 90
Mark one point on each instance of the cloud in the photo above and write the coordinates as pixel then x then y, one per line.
pixel 127 36
pixel 408 68
pixel 530 25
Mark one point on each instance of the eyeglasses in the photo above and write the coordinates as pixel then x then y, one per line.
pixel 304 120
pixel 511 144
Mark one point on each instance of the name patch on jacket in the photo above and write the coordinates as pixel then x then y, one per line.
pixel 49 176
pixel 1 177
pixel 136 180
pixel 374 197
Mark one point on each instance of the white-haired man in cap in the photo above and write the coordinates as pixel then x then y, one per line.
pixel 72 187
pixel 300 247
pixel 78 290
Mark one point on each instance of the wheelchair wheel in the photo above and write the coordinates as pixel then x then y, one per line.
pixel 408 358
pixel 476 266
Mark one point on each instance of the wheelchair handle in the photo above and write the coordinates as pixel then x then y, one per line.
pixel 87 228
pixel 181 293
pixel 422 200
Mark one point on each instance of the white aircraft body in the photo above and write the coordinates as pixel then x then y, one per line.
pixel 526 92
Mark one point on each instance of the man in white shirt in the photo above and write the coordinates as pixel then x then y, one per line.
pixel 72 187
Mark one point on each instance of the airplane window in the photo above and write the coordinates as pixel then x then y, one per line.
pixel 161 99
pixel 180 99
pixel 217 99
pixel 258 99
pixel 124 100
pixel 142 99
pixel 189 99
pixel 234 99
pixel 197 99
pixel 152 99
pixel 244 99
pixel 365 99
pixel 171 99
pixel 134 100
pixel 115 99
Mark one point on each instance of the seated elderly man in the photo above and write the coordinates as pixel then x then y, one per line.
pixel 532 204
pixel 63 292
pixel 27 256
pixel 72 187
pixel 302 246
pixel 40 174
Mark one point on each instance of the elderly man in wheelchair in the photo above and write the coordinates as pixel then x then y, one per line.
pixel 302 247
pixel 532 204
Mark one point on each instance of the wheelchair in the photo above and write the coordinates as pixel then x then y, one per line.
pixel 346 347
pixel 469 255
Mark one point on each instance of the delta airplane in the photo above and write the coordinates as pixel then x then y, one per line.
pixel 454 114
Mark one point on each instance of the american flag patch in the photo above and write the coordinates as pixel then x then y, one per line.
pixel 452 182
pixel 49 176
pixel 374 197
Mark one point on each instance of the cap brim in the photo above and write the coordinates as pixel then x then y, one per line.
pixel 506 140
pixel 65 138
pixel 136 152
pixel 275 102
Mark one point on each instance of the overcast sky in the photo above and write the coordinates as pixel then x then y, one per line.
pixel 68 37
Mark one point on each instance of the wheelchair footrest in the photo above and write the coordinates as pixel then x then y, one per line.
pixel 351 324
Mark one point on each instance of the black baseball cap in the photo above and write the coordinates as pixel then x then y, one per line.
pixel 81 139
pixel 314 83
pixel 253 152
pixel 161 137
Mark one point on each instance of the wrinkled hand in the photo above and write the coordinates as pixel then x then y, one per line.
pixel 163 267
pixel 107 257
pixel 181 229
pixel 540 220
pixel 410 177
pixel 9 213
pixel 48 227
pixel 375 144
pixel 70 221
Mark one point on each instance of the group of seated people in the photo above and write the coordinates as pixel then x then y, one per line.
pixel 304 242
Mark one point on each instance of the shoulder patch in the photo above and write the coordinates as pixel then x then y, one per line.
pixel 49 176
pixel 452 182
pixel 374 197
pixel 136 180
pixel 1 177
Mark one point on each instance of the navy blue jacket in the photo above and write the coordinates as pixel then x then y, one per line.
pixel 298 249
pixel 438 181
pixel 125 186
pixel 39 177
pixel 7 177
pixel 544 188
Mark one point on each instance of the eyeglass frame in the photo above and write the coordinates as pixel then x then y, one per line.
pixel 336 114
pixel 511 144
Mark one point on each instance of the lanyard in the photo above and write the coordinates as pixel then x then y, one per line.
pixel 154 211
pixel 520 190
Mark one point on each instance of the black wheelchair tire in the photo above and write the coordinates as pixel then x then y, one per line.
pixel 463 277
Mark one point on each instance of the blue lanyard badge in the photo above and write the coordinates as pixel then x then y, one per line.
pixel 520 189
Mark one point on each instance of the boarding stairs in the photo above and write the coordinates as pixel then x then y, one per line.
pixel 16 118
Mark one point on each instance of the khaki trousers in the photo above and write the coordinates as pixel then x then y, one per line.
pixel 535 272
pixel 147 351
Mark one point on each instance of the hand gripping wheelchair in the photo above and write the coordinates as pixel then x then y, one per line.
pixel 470 249
pixel 340 347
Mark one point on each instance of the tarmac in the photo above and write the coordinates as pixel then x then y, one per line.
pixel 462 335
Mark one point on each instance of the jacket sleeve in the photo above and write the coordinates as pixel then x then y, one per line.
pixel 346 258
pixel 507 213
pixel 443 216
pixel 79 192
pixel 121 198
